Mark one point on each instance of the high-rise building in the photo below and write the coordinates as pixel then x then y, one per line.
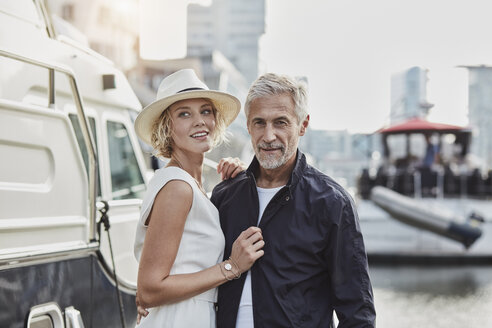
pixel 409 94
pixel 480 111
pixel 232 27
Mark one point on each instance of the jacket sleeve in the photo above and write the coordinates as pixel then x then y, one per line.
pixel 216 195
pixel 352 291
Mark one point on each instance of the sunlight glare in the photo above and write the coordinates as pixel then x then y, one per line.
pixel 162 29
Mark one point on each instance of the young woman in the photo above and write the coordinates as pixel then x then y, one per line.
pixel 179 242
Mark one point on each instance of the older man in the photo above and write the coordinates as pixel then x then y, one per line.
pixel 314 261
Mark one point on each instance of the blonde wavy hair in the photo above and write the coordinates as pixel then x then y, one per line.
pixel 162 131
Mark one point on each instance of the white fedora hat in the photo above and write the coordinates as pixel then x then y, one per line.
pixel 183 84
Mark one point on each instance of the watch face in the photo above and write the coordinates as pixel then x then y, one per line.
pixel 228 266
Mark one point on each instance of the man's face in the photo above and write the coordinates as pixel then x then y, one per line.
pixel 274 129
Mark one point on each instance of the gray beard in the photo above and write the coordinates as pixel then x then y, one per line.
pixel 270 163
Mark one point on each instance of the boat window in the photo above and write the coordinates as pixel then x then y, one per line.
pixel 83 149
pixel 126 178
pixel 397 146
pixel 450 151
pixel 147 150
pixel 417 146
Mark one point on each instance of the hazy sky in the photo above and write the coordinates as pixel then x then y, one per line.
pixel 348 50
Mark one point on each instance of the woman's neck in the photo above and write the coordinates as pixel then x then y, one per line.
pixel 191 163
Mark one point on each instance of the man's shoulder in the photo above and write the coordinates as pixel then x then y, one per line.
pixel 317 182
pixel 227 187
pixel 327 196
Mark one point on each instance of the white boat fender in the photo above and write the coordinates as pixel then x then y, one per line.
pixel 435 219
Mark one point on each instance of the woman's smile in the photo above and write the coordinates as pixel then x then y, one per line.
pixel 201 135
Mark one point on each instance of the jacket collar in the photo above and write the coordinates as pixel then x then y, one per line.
pixel 299 167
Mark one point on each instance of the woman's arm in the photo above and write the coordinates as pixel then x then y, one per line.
pixel 165 228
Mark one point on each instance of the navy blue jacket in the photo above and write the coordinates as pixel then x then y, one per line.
pixel 314 261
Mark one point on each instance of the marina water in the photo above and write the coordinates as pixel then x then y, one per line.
pixel 432 296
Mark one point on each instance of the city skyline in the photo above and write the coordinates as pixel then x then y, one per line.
pixel 349 50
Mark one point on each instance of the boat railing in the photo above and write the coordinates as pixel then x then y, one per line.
pixel 463 186
pixel 437 182
pixel 417 181
pixel 88 138
pixel 440 184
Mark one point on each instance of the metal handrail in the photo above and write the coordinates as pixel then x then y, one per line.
pixel 45 253
pixel 88 139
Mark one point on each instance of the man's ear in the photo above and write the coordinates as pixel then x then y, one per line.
pixel 304 126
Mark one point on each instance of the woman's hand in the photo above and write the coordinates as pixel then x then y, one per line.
pixel 230 167
pixel 247 248
pixel 141 311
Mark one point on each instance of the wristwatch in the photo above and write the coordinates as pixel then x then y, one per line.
pixel 228 266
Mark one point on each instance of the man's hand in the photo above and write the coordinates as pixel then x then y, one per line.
pixel 230 167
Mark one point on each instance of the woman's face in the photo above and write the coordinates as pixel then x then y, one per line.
pixel 193 124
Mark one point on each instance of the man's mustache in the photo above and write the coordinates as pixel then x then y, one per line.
pixel 270 146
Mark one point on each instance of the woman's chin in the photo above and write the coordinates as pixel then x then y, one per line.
pixel 205 149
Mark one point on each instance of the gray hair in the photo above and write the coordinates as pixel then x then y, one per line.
pixel 274 84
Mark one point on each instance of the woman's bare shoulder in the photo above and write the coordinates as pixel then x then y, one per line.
pixel 174 199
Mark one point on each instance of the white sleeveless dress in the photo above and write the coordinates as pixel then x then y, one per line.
pixel 201 247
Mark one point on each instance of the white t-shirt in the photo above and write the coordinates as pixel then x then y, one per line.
pixel 245 311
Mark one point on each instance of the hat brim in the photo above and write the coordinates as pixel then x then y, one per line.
pixel 227 105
